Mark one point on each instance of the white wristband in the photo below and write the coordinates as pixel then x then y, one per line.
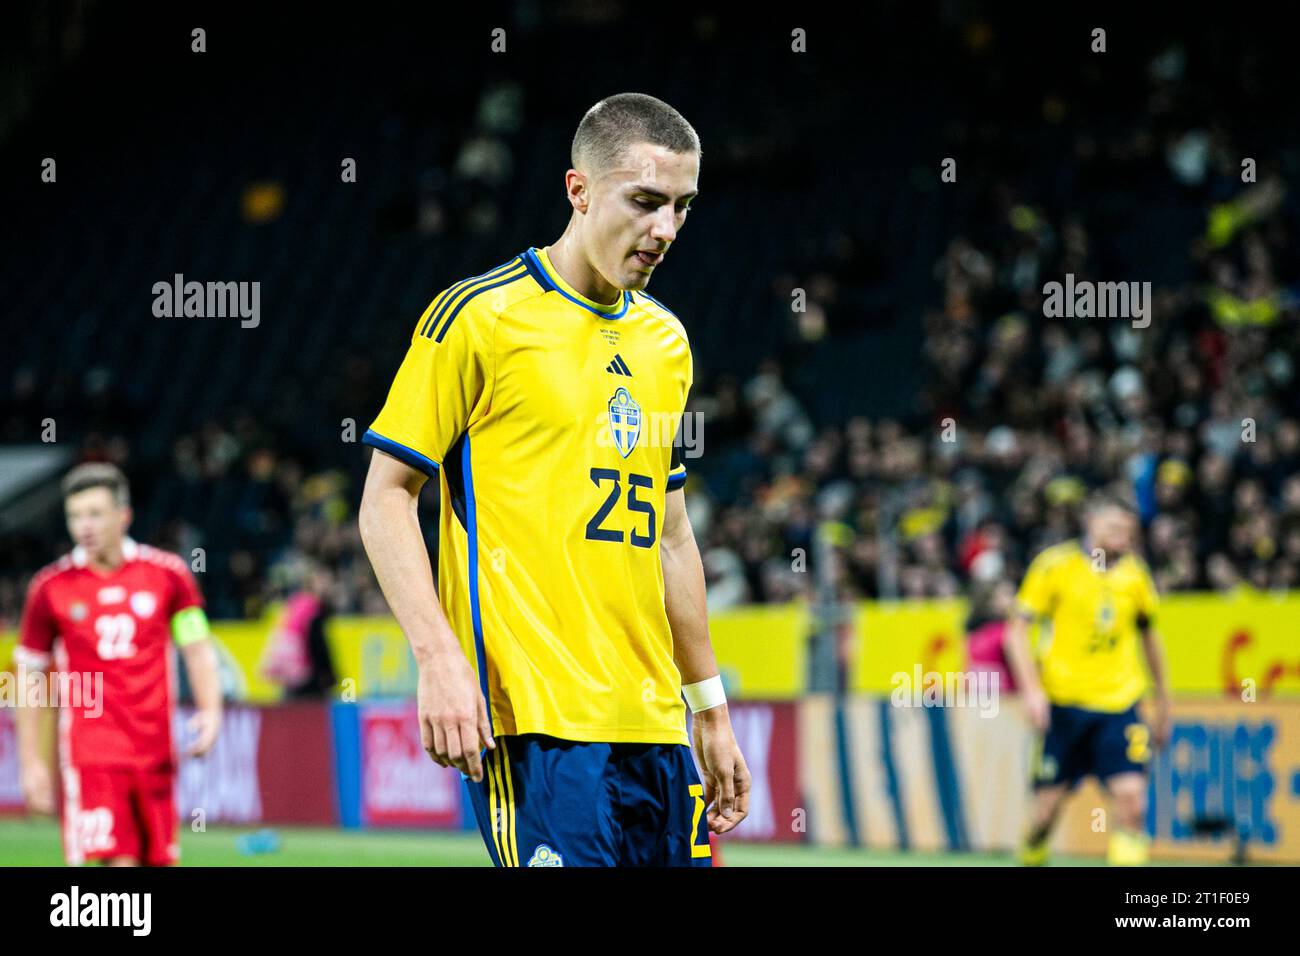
pixel 704 694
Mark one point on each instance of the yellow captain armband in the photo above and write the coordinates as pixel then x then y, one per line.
pixel 189 625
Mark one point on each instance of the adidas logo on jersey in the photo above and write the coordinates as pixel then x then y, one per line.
pixel 618 366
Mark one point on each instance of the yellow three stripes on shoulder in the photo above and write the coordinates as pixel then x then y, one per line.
pixel 502 804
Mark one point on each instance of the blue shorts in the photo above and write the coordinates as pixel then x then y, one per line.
pixel 1080 742
pixel 550 802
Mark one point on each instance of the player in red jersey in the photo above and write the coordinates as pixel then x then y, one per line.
pixel 97 626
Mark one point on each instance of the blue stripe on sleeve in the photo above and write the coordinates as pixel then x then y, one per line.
pixel 476 615
pixel 399 451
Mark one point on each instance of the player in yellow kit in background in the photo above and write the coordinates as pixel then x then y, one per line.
pixel 1099 603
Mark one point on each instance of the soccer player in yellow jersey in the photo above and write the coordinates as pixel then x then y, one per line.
pixel 1099 602
pixel 569 619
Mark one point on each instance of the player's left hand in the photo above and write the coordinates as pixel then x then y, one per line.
pixel 204 725
pixel 722 766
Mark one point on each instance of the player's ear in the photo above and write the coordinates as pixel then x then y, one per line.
pixel 575 185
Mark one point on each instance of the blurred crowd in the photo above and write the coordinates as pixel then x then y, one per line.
pixel 1193 412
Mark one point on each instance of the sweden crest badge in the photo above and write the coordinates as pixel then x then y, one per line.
pixel 624 421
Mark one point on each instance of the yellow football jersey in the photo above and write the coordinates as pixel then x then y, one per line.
pixel 550 421
pixel 1092 657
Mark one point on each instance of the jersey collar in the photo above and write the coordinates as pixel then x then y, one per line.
pixel 614 311
pixel 130 551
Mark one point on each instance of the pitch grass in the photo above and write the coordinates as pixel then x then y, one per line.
pixel 36 843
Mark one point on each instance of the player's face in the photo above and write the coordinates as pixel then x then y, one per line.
pixel 637 209
pixel 1112 530
pixel 96 521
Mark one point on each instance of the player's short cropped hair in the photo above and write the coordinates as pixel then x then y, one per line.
pixel 98 474
pixel 1105 500
pixel 616 122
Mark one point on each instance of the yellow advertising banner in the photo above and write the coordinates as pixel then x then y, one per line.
pixel 373 654
pixel 240 649
pixel 1246 642
pixel 762 650
pixel 895 636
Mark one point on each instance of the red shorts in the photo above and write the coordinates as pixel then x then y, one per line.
pixel 113 812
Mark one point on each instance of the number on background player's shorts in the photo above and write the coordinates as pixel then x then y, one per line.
pixel 112 812
pixel 1082 742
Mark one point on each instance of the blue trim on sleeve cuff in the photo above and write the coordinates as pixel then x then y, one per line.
pixel 403 454
pixel 676 481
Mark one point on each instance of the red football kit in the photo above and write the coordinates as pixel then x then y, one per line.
pixel 118 760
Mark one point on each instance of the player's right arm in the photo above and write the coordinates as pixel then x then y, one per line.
pixel 442 387
pixel 1034 600
pixel 32 655
pixel 454 724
